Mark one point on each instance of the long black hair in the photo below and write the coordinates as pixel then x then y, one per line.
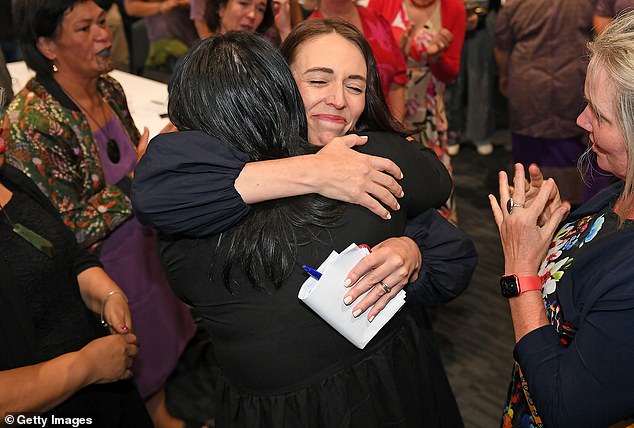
pixel 238 88
pixel 376 115
pixel 39 18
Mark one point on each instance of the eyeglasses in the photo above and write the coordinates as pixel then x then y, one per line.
pixel 112 148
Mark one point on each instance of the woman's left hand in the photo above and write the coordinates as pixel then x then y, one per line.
pixel 116 313
pixel 524 240
pixel 394 262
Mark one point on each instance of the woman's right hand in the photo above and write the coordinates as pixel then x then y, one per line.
pixel 439 43
pixel 110 358
pixel 532 189
pixel 349 176
pixel 524 240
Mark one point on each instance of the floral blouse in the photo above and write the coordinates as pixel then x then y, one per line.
pixel 50 140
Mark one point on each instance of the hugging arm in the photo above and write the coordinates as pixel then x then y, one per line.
pixel 175 195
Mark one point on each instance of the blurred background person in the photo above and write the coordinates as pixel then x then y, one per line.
pixel 431 34
pixel 541 55
pixel 273 19
pixel 120 51
pixel 287 15
pixel 606 10
pixel 170 31
pixel 6 85
pixel 197 13
pixel 388 56
pixel 8 40
pixel 470 108
pixel 70 131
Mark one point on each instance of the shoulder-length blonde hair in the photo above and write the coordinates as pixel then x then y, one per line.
pixel 613 52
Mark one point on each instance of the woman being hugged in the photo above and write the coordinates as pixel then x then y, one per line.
pixel 177 196
pixel 574 358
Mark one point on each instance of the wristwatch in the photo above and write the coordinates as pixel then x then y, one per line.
pixel 513 285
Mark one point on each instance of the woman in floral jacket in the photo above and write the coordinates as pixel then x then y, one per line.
pixel 71 132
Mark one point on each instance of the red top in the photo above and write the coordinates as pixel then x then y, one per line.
pixel 388 57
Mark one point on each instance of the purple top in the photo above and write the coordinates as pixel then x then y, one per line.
pixel 160 320
pixel 612 8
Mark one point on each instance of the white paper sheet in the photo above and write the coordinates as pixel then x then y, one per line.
pixel 325 297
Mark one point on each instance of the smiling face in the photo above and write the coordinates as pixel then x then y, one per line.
pixel 599 119
pixel 244 15
pixel 82 45
pixel 330 72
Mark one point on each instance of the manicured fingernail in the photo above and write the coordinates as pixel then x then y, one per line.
pixel 124 327
pixel 356 313
pixel 398 206
pixel 365 137
pixel 402 193
pixel 371 318
pixel 347 300
pixel 402 176
pixel 347 282
pixel 388 216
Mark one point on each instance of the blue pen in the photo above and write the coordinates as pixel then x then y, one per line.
pixel 312 272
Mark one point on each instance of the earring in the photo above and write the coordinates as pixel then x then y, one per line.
pixel 55 69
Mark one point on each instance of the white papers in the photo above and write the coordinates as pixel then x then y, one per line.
pixel 325 297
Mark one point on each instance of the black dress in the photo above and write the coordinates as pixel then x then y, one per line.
pixel 283 366
pixel 41 311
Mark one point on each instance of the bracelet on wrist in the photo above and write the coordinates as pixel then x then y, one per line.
pixel 105 300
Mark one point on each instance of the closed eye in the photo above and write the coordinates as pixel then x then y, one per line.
pixel 355 89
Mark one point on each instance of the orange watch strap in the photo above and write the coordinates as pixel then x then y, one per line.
pixel 529 283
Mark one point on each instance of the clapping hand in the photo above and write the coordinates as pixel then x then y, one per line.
pixel 439 43
pixel 526 219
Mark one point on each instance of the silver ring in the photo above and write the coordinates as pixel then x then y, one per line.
pixel 386 287
pixel 510 205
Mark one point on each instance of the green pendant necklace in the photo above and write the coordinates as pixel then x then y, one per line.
pixel 33 238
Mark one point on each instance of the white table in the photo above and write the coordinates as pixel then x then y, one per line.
pixel 147 99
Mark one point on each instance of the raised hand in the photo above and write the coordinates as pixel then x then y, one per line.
pixel 524 240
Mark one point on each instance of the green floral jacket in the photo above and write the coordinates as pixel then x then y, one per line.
pixel 50 140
